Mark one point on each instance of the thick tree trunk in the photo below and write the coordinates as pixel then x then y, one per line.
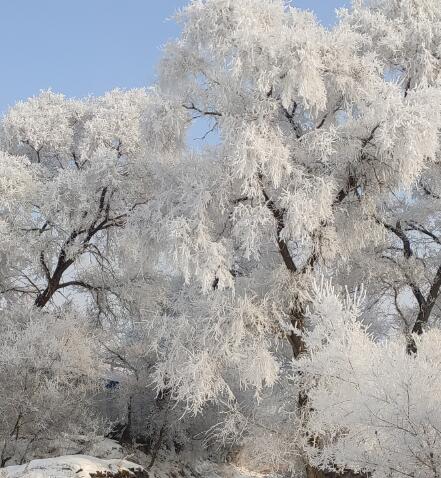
pixel 126 436
pixel 54 280
pixel 298 312
pixel 44 297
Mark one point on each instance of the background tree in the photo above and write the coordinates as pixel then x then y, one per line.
pixel 74 175
pixel 78 170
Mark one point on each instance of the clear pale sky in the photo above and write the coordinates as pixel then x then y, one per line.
pixel 81 47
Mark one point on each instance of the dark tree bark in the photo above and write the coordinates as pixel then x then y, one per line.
pixel 297 314
pixel 425 304
pixel 83 237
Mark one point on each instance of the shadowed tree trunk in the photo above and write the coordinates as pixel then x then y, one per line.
pixel 297 314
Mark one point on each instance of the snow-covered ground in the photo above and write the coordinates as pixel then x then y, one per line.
pixel 84 466
pixel 73 466
pixel 105 458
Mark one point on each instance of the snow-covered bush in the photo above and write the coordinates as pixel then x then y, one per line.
pixel 49 373
pixel 372 407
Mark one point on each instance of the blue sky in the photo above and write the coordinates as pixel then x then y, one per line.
pixel 81 47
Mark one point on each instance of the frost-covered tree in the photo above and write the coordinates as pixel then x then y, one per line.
pixel 74 177
pixel 325 162
pixel 405 36
pixel 73 173
pixel 320 134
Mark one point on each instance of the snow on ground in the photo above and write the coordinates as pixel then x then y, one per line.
pixel 83 466
pixel 212 470
pixel 105 458
pixel 73 466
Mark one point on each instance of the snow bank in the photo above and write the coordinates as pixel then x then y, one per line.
pixel 74 466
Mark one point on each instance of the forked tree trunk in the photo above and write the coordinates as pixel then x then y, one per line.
pixel 298 313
